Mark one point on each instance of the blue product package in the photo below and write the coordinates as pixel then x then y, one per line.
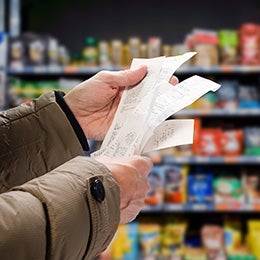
pixel 200 189
pixel 133 238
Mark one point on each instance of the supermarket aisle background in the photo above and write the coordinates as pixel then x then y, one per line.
pixel 205 200
pixel 71 21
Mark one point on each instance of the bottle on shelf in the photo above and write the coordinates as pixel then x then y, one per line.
pixel 90 52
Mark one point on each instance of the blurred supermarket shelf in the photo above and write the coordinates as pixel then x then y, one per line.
pixel 219 69
pixel 52 70
pixel 218 112
pixel 91 70
pixel 201 207
pixel 243 159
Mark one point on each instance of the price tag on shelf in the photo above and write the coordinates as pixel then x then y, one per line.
pixel 226 68
pixel 230 159
pixel 229 206
pixel 39 69
pixel 174 207
pixel 70 69
pixel 201 207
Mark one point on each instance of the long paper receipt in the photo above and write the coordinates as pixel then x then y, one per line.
pixel 140 124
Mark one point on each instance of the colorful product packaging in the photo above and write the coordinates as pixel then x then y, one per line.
pixel 232 142
pixel 228 46
pixel 125 243
pixel 248 96
pixel 227 95
pixel 253 237
pixel 232 235
pixel 149 239
pixel 228 192
pixel 213 242
pixel 200 189
pixel 251 186
pixel 172 241
pixel 209 142
pixel 155 195
pixel 249 37
pixel 252 140
pixel 175 184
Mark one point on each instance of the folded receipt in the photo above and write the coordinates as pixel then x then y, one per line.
pixel 140 124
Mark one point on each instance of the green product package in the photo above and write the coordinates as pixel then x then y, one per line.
pixel 228 37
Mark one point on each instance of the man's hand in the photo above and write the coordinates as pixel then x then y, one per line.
pixel 94 102
pixel 131 174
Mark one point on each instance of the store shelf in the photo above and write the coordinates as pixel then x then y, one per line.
pixel 52 70
pixel 219 69
pixel 219 112
pixel 91 70
pixel 167 208
pixel 243 159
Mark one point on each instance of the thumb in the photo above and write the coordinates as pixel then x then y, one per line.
pixel 128 77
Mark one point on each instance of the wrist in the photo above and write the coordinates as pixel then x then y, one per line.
pixel 72 119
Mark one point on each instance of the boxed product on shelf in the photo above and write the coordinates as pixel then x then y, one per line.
pixel 251 186
pixel 156 179
pixel 233 236
pixel 252 140
pixel 205 43
pixel 212 237
pixel 209 142
pixel 253 237
pixel 35 49
pixel 175 188
pixel 31 49
pixel 227 95
pixel 248 96
pixel 173 240
pixel 249 37
pixel 16 53
pixel 124 245
pixel 215 141
pixel 228 46
pixel 232 142
pixel 200 187
pixel 149 240
pixel 228 192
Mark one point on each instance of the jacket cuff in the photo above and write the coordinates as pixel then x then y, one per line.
pixel 73 121
pixel 80 227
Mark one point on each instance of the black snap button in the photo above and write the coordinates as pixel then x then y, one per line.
pixel 97 190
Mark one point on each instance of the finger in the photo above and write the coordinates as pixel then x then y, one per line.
pixel 174 80
pixel 125 78
pixel 142 163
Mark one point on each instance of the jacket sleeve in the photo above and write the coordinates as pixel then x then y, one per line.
pixel 56 216
pixel 46 208
pixel 36 137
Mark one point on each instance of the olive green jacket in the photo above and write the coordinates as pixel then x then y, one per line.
pixel 47 209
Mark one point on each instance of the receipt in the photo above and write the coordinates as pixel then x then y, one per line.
pixel 139 124
pixel 170 133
